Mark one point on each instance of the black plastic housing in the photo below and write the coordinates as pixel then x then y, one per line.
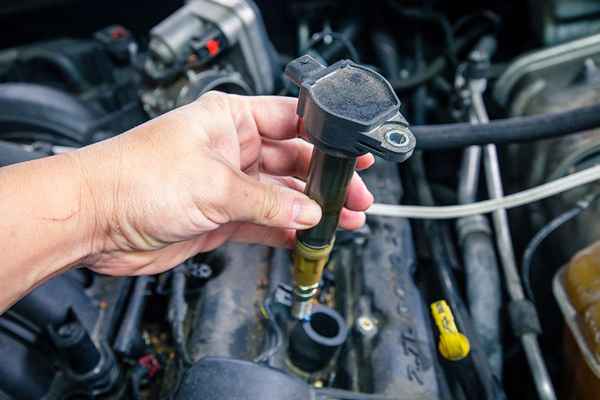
pixel 348 109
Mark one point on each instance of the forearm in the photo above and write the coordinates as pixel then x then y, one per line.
pixel 46 223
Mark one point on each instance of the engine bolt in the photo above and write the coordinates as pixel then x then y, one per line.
pixel 200 271
pixel 205 271
pixel 366 326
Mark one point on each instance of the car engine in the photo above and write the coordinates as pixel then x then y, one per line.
pixel 477 275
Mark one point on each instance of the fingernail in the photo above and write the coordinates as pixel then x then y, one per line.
pixel 365 162
pixel 306 213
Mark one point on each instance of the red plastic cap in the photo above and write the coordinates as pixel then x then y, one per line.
pixel 213 46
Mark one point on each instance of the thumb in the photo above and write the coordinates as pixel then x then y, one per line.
pixel 270 204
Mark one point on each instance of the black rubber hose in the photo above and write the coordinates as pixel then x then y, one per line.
pixel 11 154
pixel 510 130
pixel 129 341
pixel 540 236
pixel 387 55
pixel 54 115
pixel 177 312
pixel 54 60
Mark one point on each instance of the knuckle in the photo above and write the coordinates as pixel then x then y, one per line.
pixel 218 196
pixel 215 99
pixel 271 206
pixel 224 188
pixel 212 95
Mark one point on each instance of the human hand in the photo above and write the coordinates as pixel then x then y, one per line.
pixel 222 168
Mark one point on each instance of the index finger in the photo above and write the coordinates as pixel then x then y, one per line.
pixel 275 116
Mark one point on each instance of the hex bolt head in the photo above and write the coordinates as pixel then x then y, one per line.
pixel 201 271
pixel 205 271
pixel 366 326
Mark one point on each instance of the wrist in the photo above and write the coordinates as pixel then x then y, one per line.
pixel 73 208
pixel 93 201
pixel 48 214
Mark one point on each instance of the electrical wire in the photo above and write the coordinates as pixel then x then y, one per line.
pixel 483 207
pixel 275 337
pixel 541 235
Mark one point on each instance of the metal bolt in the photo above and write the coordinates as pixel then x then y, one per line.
pixel 366 326
pixel 201 271
pixel 397 138
pixel 205 271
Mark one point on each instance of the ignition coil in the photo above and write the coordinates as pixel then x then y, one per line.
pixel 348 110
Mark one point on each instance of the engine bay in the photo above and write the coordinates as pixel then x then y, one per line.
pixel 477 275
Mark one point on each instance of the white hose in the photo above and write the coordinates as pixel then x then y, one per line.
pixel 483 207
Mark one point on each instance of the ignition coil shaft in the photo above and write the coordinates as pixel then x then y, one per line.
pixel 328 179
pixel 348 110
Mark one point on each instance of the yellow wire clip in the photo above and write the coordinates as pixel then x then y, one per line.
pixel 453 345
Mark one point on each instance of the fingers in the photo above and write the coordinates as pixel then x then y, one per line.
pixel 275 116
pixel 365 161
pixel 257 234
pixel 350 218
pixel 292 158
pixel 123 263
pixel 244 199
pixel 358 198
pixel 280 237
pixel 286 158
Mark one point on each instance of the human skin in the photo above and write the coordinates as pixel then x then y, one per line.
pixel 224 168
